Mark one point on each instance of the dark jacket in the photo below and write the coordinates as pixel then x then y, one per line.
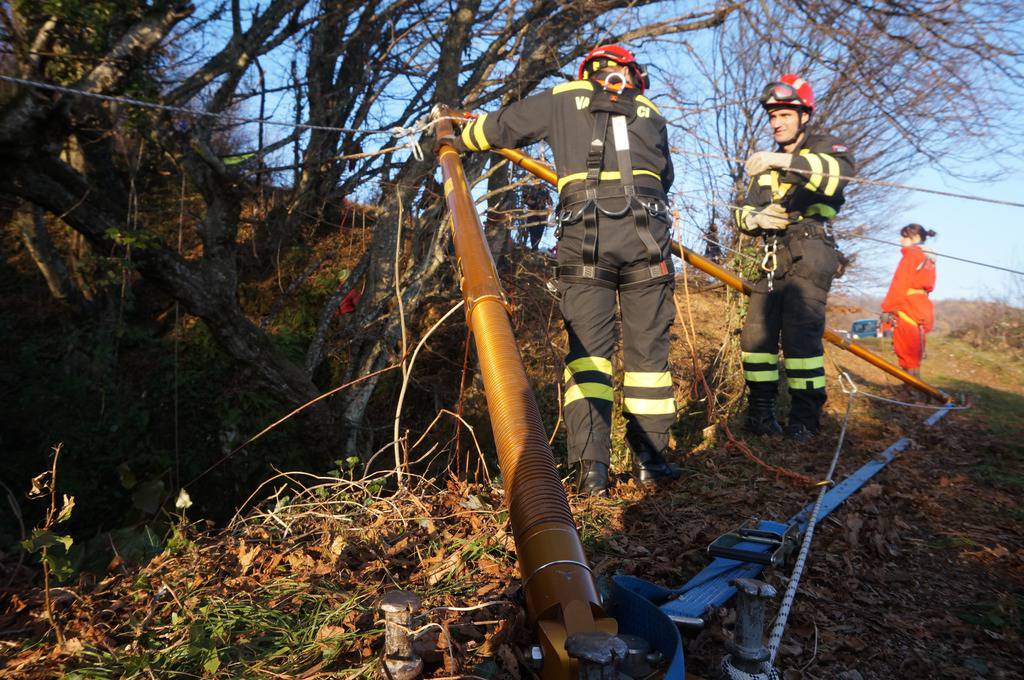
pixel 561 116
pixel 816 193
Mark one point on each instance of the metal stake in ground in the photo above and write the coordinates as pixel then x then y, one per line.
pixel 747 649
pixel 399 607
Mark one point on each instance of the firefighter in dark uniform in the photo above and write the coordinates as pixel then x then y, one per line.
pixel 535 199
pixel 795 191
pixel 610 146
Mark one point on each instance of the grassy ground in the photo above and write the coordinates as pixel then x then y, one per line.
pixel 919 575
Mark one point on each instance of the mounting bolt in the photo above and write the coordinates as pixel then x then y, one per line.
pixel 399 608
pixel 599 654
pixel 639 657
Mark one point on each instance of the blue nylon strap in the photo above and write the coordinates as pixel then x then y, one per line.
pixel 638 615
pixel 643 608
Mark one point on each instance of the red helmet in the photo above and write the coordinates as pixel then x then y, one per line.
pixel 789 90
pixel 599 58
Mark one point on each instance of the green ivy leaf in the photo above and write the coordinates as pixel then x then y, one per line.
pixel 212 662
pixel 43 538
pixel 65 511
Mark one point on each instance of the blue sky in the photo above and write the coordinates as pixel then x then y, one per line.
pixel 977 231
pixel 990 233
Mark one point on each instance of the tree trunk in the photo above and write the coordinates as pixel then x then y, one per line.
pixel 48 260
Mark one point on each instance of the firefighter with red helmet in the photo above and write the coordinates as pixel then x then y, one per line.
pixel 795 191
pixel 611 151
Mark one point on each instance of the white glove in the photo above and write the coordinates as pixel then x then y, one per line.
pixel 763 161
pixel 772 218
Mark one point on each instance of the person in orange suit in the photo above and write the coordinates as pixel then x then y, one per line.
pixel 906 306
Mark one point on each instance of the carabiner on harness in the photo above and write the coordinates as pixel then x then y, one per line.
pixel 770 261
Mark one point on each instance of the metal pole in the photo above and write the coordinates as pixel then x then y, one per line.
pixel 561 596
pixel 546 173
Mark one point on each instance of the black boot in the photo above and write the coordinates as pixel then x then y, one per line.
pixel 658 470
pixel 592 478
pixel 761 414
pixel 800 433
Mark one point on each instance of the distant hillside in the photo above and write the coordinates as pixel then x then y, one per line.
pixel 952 317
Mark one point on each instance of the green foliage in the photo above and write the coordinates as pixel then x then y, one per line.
pixel 238 636
pixel 85 27
pixel 54 549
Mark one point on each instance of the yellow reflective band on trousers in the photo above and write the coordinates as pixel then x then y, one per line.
pixel 809 362
pixel 588 364
pixel 760 358
pixel 641 379
pixel 607 175
pixel 649 407
pixel 761 376
pixel 815 383
pixel 588 391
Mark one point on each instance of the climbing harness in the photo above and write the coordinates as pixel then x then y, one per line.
pixel 592 202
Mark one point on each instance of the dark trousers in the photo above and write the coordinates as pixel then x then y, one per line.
pixel 589 313
pixel 795 312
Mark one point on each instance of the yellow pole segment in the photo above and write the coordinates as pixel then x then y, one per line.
pixel 561 596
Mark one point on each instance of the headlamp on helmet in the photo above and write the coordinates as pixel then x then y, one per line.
pixel 614 55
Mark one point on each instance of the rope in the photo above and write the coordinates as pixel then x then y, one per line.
pixel 798 569
pixel 862 180
pixel 844 376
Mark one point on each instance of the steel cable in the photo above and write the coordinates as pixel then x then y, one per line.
pixel 395 131
pixel 723 204
pixel 861 180
pixel 399 131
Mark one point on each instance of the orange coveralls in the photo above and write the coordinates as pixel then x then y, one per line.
pixel 908 301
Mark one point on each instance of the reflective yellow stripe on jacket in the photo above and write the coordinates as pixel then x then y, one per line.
pixel 824 168
pixel 606 175
pixel 906 317
pixel 473 134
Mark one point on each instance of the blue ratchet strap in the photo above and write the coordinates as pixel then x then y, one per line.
pixel 633 607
